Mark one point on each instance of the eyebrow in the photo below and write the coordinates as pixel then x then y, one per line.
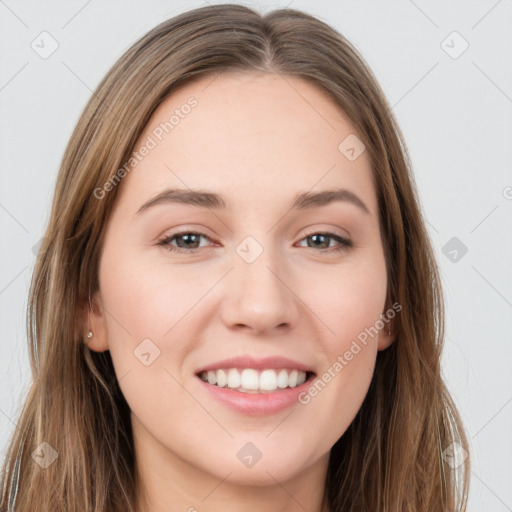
pixel 210 200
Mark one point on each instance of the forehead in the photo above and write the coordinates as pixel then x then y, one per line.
pixel 255 134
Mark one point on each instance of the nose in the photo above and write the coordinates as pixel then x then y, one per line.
pixel 259 296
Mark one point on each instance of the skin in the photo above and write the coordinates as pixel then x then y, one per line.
pixel 258 140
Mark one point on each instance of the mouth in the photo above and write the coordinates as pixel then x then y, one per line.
pixel 256 381
pixel 256 386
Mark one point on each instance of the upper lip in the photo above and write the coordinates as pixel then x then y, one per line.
pixel 256 363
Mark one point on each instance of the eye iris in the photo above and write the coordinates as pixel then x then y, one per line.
pixel 315 237
pixel 187 237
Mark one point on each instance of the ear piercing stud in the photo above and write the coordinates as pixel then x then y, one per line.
pixel 89 335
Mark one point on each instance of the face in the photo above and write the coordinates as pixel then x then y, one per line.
pixel 253 270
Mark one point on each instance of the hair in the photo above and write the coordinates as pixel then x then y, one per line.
pixel 391 456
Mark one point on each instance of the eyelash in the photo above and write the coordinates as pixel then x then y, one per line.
pixel 344 243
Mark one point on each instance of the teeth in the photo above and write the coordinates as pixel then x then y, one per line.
pixel 250 380
pixel 233 379
pixel 268 380
pixel 221 378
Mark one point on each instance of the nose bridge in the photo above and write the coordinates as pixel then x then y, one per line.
pixel 258 296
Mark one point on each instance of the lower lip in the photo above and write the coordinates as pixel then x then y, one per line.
pixel 257 404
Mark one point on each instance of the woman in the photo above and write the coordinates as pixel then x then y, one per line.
pixel 236 304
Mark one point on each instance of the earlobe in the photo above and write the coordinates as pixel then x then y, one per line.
pixel 386 338
pixel 94 332
pixel 387 332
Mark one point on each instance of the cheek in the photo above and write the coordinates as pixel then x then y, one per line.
pixel 148 300
pixel 349 304
pixel 154 313
pixel 145 307
pixel 350 301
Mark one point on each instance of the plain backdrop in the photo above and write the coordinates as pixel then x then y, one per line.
pixel 445 68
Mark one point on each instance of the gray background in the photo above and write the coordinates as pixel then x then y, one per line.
pixel 454 110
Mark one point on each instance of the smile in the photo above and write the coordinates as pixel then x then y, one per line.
pixel 250 380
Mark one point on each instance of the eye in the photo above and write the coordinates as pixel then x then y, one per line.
pixel 322 240
pixel 190 241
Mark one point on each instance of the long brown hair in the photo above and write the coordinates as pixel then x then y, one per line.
pixel 391 458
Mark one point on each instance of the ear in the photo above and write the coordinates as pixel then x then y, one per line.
pixel 387 333
pixel 94 321
pixel 386 337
